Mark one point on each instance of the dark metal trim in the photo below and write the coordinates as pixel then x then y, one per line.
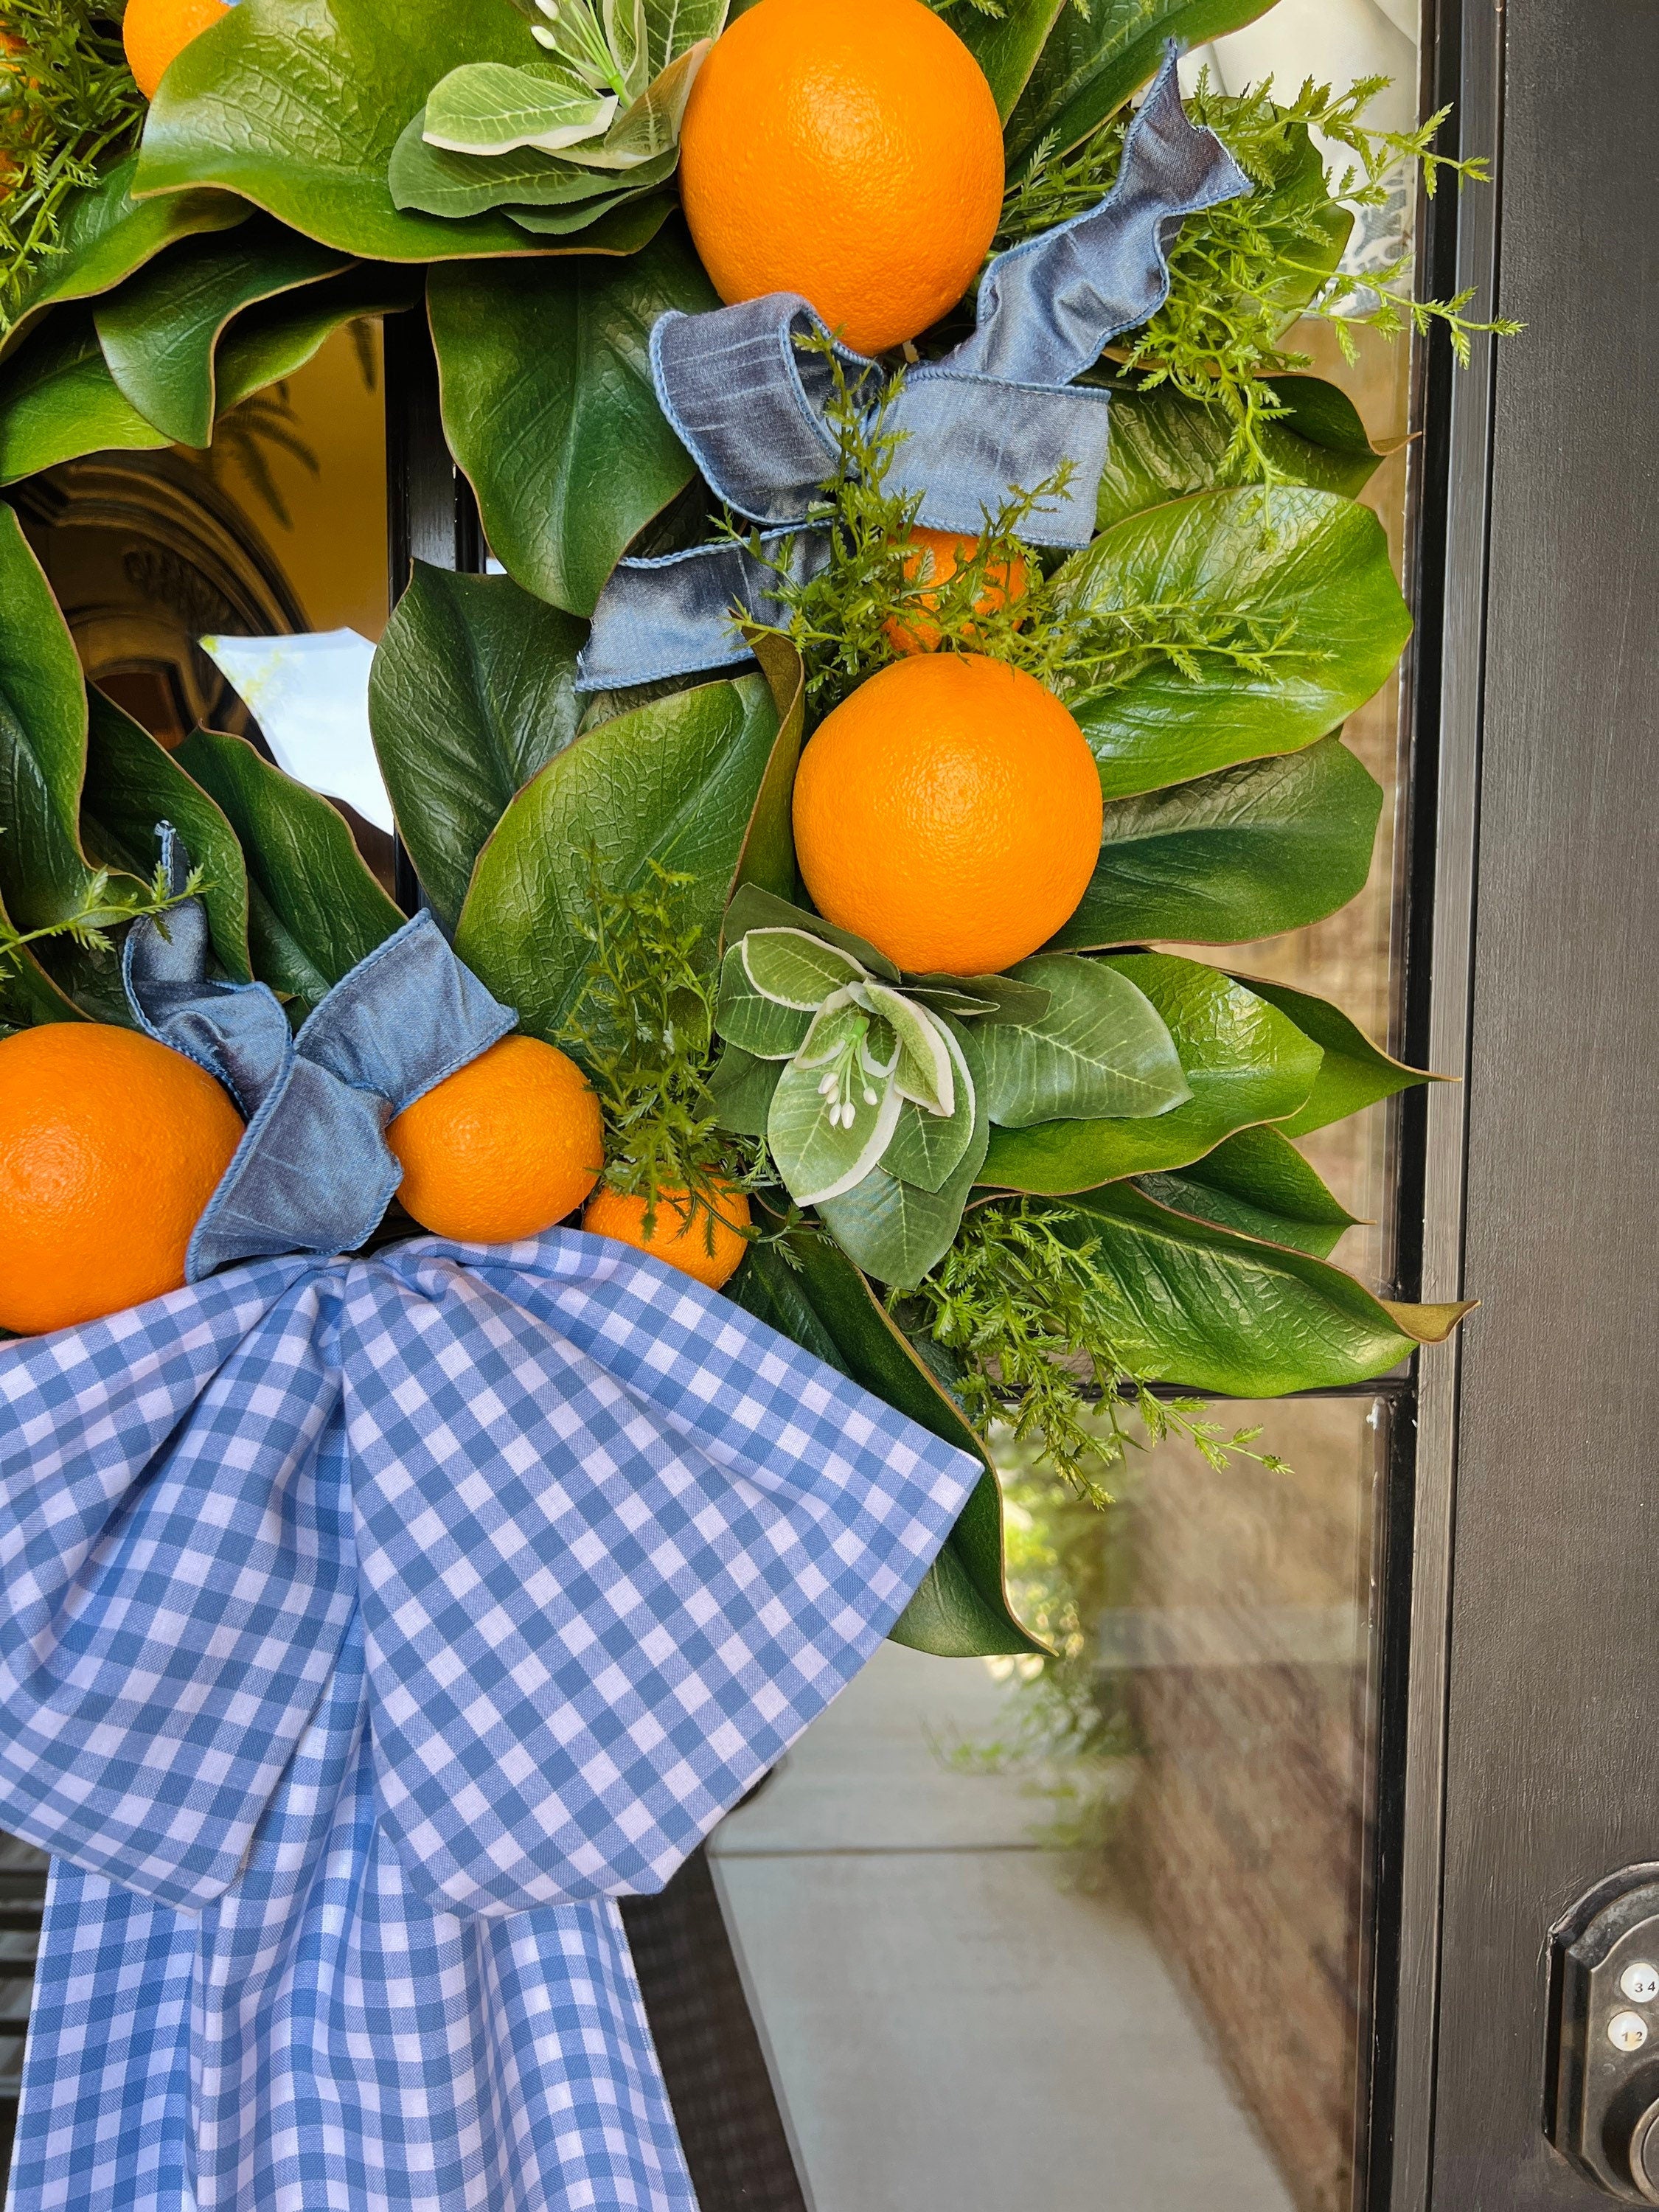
pixel 1463 65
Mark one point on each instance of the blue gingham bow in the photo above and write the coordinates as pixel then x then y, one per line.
pixel 1000 411
pixel 368 1626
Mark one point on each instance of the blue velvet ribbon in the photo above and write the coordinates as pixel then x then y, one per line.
pixel 1000 412
pixel 313 1173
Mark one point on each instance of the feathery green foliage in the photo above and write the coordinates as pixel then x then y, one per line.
pixel 67 103
pixel 1243 273
pixel 643 1031
pixel 102 905
pixel 841 622
pixel 1022 1301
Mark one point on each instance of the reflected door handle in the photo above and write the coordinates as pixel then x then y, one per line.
pixel 1602 2097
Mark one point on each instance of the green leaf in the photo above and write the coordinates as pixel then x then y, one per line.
pixel 159 332
pixel 424 176
pixel 1309 230
pixel 1259 1184
pixel 493 108
pixel 1217 1311
pixel 795 970
pixel 548 406
pixel 928 1148
pixel 299 110
pixel 824 1303
pixel 1306 562
pixel 1091 63
pixel 1246 852
pixel 741 1086
pixel 42 742
pixel 673 782
pixel 472 694
pixel 58 400
pixel 755 907
pixel 674 27
pixel 106 234
pixel 756 1025
pixel 926 1065
pixel 315 909
pixel 1007 45
pixel 1245 1061
pixel 624 223
pixel 819 1155
pixel 133 785
pixel 1166 446
pixel 765 867
pixel 648 129
pixel 1100 1049
pixel 278 337
pixel 1354 1074
pixel 897 1231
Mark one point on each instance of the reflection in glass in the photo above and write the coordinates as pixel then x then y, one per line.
pixel 1092 1941
pixel 277 533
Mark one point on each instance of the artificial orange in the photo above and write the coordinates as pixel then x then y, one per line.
pixel 943 552
pixel 850 153
pixel 156 32
pixel 503 1148
pixel 950 811
pixel 110 1145
pixel 701 1240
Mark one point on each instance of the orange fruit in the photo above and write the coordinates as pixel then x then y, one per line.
pixel 950 811
pixel 111 1146
pixel 503 1148
pixel 943 551
pixel 851 153
pixel 698 1240
pixel 156 32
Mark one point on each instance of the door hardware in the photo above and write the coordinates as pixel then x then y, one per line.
pixel 1601 2100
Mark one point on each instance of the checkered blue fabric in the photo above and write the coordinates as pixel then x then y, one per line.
pixel 366 1628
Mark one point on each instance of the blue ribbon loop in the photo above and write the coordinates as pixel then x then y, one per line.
pixel 313 1173
pixel 999 413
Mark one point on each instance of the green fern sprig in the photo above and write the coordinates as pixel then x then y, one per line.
pixel 68 105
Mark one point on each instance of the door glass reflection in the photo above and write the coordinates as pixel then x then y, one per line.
pixel 242 588
pixel 1094 1941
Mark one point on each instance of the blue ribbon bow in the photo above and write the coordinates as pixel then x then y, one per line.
pixel 1000 412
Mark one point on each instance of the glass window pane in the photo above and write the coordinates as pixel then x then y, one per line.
pixel 164 563
pixel 1099 1942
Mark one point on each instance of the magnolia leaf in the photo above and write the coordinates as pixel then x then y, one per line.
pixel 105 234
pixel 1165 446
pixel 1259 1184
pixel 1354 1073
pixel 895 1230
pixel 1244 1061
pixel 670 784
pixel 795 970
pixel 818 1152
pixel 650 127
pixel 160 332
pixel 754 906
pixel 299 109
pixel 1102 1047
pixel 758 1024
pixel 814 1294
pixel 456 185
pixel 925 1073
pixel 1214 1310
pixel 1007 45
pixel 548 406
pixel 58 400
pixel 1296 582
pixel 491 108
pixel 928 1148
pixel 620 224
pixel 1091 64
pixel 315 909
pixel 741 1087
pixel 471 694
pixel 1268 845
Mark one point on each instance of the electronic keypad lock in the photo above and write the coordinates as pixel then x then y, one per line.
pixel 1601 2106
